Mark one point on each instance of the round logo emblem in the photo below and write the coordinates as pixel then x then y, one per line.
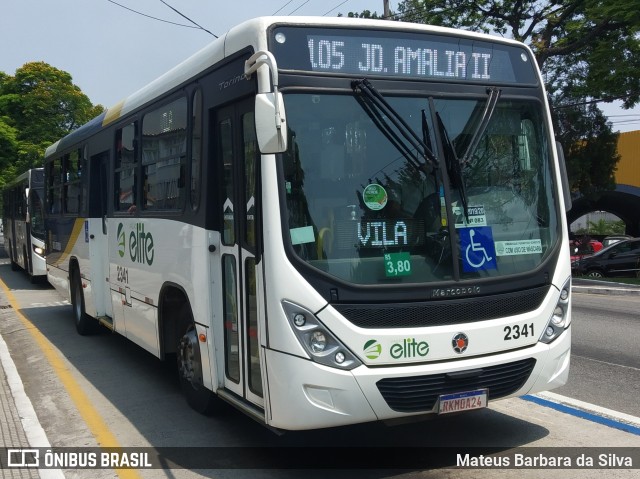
pixel 460 342
pixel 375 197
pixel 372 349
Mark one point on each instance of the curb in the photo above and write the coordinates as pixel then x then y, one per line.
pixel 604 287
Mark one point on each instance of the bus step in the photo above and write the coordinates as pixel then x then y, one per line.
pixel 251 410
pixel 106 321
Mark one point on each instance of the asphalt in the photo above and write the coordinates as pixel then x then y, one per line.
pixel 16 429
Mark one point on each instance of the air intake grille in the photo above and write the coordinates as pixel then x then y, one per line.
pixel 442 312
pixel 420 393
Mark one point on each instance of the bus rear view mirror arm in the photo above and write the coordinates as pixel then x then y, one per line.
pixel 271 128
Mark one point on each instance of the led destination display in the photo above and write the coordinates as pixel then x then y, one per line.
pixel 401 54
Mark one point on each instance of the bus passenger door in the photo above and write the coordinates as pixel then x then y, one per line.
pixel 239 205
pixel 98 234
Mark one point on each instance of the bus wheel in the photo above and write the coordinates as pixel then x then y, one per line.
pixel 190 366
pixel 84 324
pixel 14 265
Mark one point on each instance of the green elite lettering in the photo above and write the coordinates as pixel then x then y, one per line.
pixel 409 348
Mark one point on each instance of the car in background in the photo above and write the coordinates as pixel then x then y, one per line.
pixel 617 260
pixel 580 249
pixel 609 240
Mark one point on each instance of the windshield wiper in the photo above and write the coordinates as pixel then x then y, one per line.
pixel 454 169
pixel 401 135
pixel 453 163
pixel 489 108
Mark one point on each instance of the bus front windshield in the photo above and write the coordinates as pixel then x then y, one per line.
pixel 363 205
pixel 36 212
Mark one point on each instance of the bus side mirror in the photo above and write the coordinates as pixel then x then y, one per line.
pixel 271 124
pixel 564 177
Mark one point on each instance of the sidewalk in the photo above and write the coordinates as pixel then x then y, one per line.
pixel 12 431
pixel 19 424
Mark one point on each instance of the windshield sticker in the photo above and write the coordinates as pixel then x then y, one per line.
pixel 375 197
pixel 443 207
pixel 477 216
pixel 397 264
pixel 477 249
pixel 512 248
pixel 302 235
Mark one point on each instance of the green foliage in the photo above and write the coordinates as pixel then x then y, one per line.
pixel 586 49
pixel 38 105
pixel 8 149
pixel 603 227
pixel 364 14
pixel 590 149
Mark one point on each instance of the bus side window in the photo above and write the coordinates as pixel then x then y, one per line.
pixel 164 150
pixel 54 195
pixel 126 169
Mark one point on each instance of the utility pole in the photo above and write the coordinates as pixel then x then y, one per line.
pixel 387 13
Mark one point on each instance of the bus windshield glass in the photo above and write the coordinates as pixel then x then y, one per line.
pixel 364 206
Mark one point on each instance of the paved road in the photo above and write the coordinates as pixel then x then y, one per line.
pixel 605 360
pixel 103 389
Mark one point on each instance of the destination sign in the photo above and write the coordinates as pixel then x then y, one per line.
pixel 401 54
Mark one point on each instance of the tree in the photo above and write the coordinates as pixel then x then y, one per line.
pixel 590 149
pixel 586 49
pixel 8 149
pixel 364 14
pixel 38 105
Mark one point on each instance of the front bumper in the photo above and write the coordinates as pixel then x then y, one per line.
pixel 306 395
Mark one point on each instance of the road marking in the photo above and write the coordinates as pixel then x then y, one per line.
pixel 89 414
pixel 605 362
pixel 584 410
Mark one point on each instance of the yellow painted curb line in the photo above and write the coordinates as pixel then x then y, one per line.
pixel 89 414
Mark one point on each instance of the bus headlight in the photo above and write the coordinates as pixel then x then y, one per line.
pixel 321 345
pixel 560 318
pixel 318 341
pixel 38 250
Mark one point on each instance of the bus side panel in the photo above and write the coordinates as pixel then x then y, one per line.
pixel 147 253
pixel 68 240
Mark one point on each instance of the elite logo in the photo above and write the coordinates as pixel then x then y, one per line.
pixel 141 249
pixel 372 349
pixel 407 348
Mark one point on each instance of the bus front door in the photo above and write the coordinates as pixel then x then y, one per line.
pixel 238 156
pixel 99 243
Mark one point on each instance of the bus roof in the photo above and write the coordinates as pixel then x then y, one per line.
pixel 34 176
pixel 237 38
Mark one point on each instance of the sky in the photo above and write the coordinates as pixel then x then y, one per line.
pixel 111 52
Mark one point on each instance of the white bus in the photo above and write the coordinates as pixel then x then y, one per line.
pixel 326 221
pixel 23 223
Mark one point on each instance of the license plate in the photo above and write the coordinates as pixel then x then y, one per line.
pixel 466 401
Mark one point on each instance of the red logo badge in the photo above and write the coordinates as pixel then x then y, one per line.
pixel 460 343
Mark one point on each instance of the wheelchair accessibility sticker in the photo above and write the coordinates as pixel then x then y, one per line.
pixel 478 251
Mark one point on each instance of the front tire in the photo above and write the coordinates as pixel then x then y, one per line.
pixel 190 371
pixel 594 273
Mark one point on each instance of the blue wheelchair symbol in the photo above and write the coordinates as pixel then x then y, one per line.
pixel 477 249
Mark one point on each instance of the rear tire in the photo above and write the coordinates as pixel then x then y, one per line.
pixel 85 325
pixel 190 371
